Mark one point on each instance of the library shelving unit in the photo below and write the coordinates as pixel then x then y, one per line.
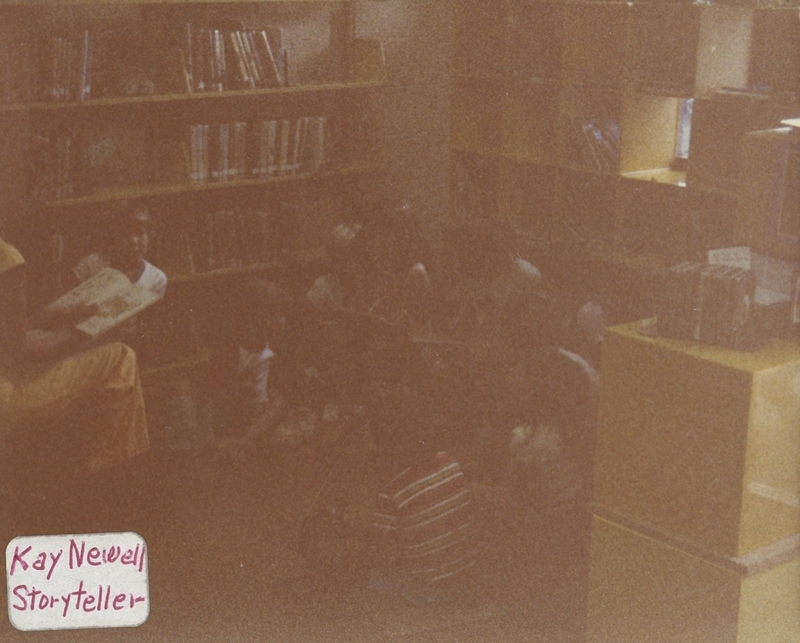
pixel 248 128
pixel 696 518
pixel 567 118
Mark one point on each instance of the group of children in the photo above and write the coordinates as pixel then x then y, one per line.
pixel 362 331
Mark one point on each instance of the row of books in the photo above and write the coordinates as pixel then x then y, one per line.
pixel 219 59
pixel 70 60
pixel 595 143
pixel 239 150
pixel 707 303
pixel 56 68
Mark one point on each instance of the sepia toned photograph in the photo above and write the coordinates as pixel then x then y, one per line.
pixel 400 321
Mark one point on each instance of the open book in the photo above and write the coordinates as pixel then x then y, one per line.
pixel 117 300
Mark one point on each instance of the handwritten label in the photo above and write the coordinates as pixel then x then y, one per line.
pixel 77 581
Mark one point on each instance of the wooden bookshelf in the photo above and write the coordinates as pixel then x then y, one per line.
pixel 122 123
pixel 586 96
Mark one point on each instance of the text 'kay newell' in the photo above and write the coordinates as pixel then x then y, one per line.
pixel 77 581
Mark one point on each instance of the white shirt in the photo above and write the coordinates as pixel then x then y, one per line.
pixel 152 278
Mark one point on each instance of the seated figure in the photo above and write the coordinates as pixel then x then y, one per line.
pixel 126 240
pixel 424 512
pixel 93 395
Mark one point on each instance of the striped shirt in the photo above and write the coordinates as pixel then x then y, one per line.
pixel 429 510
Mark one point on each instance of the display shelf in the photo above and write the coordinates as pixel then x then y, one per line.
pixel 593 93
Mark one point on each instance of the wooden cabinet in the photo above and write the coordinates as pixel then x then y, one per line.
pixel 696 534
pixel 166 102
pixel 591 95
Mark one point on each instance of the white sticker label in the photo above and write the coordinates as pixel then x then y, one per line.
pixel 77 581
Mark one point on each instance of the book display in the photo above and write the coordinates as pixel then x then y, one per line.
pixel 595 95
pixel 189 108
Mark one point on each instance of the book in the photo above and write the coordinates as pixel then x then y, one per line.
pixel 283 152
pixel 315 139
pixel 116 298
pixel 85 71
pixel 245 78
pixel 268 56
pixel 678 302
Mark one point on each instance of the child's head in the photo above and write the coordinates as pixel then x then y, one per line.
pixel 127 233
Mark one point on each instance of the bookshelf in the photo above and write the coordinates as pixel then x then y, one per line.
pixel 565 117
pixel 174 104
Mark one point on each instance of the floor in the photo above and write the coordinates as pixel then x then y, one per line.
pixel 222 521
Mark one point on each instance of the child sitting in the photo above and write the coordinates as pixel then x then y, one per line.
pixel 126 242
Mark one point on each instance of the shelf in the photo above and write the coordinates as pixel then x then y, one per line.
pixel 660 175
pixel 187 188
pixel 160 99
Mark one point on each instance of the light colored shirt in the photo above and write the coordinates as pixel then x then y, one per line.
pixel 152 278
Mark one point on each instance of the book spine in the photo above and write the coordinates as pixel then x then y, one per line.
pixel 204 152
pixel 254 58
pixel 69 65
pixel 239 167
pixel 294 161
pixel 245 80
pixel 193 173
pixel 316 143
pixel 84 76
pixel 202 61
pixel 213 64
pixel 283 154
pixel 222 84
pixel 269 59
pixel 53 90
pixel 188 58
